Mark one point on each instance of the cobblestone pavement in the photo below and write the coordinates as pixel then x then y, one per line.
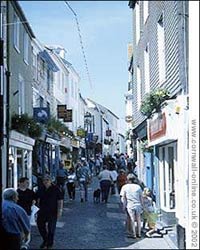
pixel 96 226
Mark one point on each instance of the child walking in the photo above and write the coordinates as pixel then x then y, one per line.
pixel 149 214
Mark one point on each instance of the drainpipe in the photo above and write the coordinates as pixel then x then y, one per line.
pixel 1 108
pixel 8 74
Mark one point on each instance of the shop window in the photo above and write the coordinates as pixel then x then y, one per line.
pixel 161 49
pixel 16 30
pixel 20 170
pixel 147 69
pixel 145 10
pixel 26 47
pixel 167 176
pixel 138 87
pixel 21 96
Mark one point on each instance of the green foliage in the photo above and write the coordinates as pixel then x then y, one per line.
pixel 153 102
pixel 144 146
pixel 26 125
pixel 56 126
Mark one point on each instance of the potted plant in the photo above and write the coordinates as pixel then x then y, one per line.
pixel 26 125
pixel 153 102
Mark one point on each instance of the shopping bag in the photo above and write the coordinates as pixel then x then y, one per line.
pixel 34 210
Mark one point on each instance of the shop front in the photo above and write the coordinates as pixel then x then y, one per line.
pixel 20 158
pixel 162 134
pixel 75 150
pixel 168 133
pixel 65 152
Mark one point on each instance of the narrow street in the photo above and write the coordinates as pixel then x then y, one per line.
pixel 96 226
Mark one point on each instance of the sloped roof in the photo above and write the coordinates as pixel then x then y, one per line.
pixel 102 108
pixel 17 6
pixel 46 57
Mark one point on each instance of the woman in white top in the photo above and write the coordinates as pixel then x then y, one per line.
pixel 114 175
pixel 105 183
pixel 131 197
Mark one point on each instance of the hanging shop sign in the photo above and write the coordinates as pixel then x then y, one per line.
pixel 89 137
pixel 108 132
pixel 68 116
pixel 80 132
pixel 61 111
pixel 164 127
pixel 41 114
pixel 157 127
pixel 129 118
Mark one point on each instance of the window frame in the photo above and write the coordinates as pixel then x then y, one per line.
pixel 16 32
pixel 25 47
pixel 161 49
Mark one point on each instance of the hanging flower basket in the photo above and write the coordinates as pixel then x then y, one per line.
pixel 26 125
pixel 153 102
pixel 57 127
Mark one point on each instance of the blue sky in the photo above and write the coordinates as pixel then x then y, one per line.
pixel 105 29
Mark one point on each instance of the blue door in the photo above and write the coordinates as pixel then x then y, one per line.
pixel 148 169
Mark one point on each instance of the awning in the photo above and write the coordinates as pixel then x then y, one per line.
pixel 50 63
pixel 21 141
pixel 52 141
pixel 65 142
pixel 75 143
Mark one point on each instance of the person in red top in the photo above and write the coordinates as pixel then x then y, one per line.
pixel 121 179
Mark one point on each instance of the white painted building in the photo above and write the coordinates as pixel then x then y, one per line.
pixel 129 103
pixel 160 60
pixel 107 128
pixel 61 81
pixel 66 86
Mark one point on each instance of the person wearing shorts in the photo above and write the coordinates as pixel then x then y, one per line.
pixel 131 198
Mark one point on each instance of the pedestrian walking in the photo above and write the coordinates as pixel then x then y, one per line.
pixel 71 187
pixel 149 215
pixel 105 183
pixel 121 179
pixel 91 163
pixel 26 196
pixel 114 175
pixel 97 165
pixel 131 197
pixel 84 178
pixel 61 175
pixel 50 202
pixel 15 221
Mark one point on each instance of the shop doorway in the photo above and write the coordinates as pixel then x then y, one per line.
pixel 167 169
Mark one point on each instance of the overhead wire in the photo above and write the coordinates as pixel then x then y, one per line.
pixel 81 43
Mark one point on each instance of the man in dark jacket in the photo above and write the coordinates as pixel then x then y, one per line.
pixel 26 196
pixel 50 202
